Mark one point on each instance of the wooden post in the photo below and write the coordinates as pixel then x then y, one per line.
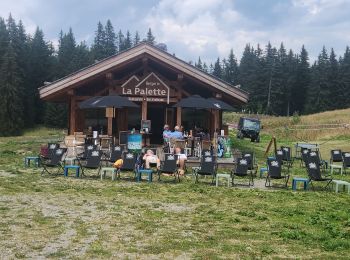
pixel 179 97
pixel 216 120
pixel 178 116
pixel 72 117
pixel 144 109
pixel 110 126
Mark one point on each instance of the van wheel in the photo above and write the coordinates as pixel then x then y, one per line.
pixel 257 139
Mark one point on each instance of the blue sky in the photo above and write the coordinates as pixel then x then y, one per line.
pixel 192 28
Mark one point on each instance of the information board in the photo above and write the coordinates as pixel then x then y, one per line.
pixel 135 142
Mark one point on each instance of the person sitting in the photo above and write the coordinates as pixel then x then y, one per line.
pixel 180 160
pixel 177 134
pixel 166 132
pixel 151 159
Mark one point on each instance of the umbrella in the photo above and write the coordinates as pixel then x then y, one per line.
pixel 107 101
pixel 221 104
pixel 197 102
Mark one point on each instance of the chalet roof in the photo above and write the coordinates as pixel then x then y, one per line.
pixel 100 67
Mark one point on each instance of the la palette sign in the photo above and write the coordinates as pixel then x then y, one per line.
pixel 150 86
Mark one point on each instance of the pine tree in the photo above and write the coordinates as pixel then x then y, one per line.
pixel 99 47
pixel 150 38
pixel 121 41
pixel 249 73
pixel 40 70
pixel 205 67
pixel 199 64
pixel 66 54
pixel 11 108
pixel 344 77
pixel 336 99
pixel 318 89
pixel 82 57
pixel 136 38
pixel 231 69
pixel 4 38
pixel 291 69
pixel 302 82
pixel 109 46
pixel 128 42
pixel 217 70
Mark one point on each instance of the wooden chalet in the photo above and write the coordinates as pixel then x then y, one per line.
pixel 152 78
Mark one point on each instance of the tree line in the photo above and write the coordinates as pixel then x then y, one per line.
pixel 280 82
pixel 28 61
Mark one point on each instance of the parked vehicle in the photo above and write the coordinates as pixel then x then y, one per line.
pixel 249 128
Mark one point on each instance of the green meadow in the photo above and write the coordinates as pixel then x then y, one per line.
pixel 58 217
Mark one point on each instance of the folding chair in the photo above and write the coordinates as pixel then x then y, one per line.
pixel 304 156
pixel 87 150
pixel 252 166
pixel 336 156
pixel 274 171
pixel 206 168
pixel 279 156
pixel 93 161
pixel 346 160
pixel 129 163
pixel 336 161
pixel 116 153
pixel 169 166
pixel 55 160
pixel 287 155
pixel 314 156
pixel 241 170
pixel 314 172
pixel 51 147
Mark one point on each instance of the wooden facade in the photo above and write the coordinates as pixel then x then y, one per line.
pixel 150 77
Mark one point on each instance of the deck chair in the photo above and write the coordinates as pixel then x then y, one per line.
pixel 241 170
pixel 336 156
pixel 93 161
pixel 87 151
pixel 116 153
pixel 129 163
pixel 206 168
pixel 279 156
pixel 314 156
pixel 304 156
pixel 51 147
pixel 55 160
pixel 287 155
pixel 274 171
pixel 314 172
pixel 346 160
pixel 169 166
pixel 252 166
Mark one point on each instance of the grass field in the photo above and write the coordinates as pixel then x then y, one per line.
pixel 57 217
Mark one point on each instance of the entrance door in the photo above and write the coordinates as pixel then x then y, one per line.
pixel 155 113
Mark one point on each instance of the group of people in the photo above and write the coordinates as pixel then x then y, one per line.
pixel 152 159
pixel 176 134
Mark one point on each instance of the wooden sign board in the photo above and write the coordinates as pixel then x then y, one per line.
pixel 151 87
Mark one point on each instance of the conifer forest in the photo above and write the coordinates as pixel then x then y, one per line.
pixel 280 81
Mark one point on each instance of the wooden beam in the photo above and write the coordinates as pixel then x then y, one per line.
pixel 144 110
pixel 178 116
pixel 72 115
pixel 110 126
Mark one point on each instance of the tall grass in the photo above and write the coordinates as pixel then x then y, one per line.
pixel 281 127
